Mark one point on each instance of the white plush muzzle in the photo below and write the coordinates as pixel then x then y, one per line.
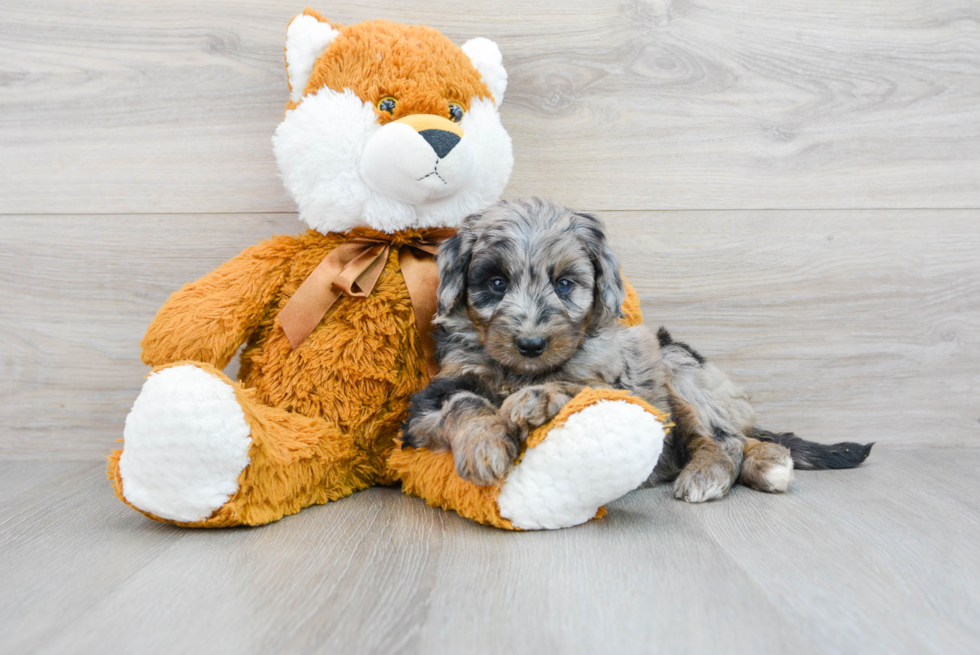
pixel 403 164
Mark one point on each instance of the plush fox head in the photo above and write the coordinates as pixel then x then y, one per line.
pixel 390 126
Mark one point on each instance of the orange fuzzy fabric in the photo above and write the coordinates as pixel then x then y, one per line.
pixel 631 306
pixel 431 475
pixel 416 64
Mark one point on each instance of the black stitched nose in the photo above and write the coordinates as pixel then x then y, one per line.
pixel 441 141
pixel 531 346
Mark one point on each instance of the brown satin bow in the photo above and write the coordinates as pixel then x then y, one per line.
pixel 352 269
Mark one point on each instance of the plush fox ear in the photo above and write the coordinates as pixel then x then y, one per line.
pixel 306 39
pixel 485 57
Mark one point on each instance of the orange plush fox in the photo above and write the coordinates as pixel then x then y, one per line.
pixel 391 136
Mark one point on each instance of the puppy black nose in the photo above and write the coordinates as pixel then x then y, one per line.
pixel 531 346
pixel 440 140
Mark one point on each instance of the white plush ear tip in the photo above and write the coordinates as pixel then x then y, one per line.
pixel 484 49
pixel 306 39
pixel 486 58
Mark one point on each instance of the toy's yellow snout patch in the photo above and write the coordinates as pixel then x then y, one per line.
pixel 440 133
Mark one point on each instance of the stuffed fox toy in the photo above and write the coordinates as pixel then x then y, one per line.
pixel 391 137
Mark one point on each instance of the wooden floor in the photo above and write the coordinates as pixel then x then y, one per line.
pixel 880 559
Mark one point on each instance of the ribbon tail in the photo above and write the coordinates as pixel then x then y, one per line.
pixel 351 269
pixel 422 279
pixel 304 311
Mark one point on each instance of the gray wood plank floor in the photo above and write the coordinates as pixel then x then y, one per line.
pixel 881 559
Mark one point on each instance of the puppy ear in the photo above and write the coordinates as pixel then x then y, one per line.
pixel 454 266
pixel 307 36
pixel 609 291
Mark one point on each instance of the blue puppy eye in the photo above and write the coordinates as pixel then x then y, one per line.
pixel 498 285
pixel 564 287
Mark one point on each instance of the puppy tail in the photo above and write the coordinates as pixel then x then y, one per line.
pixel 812 456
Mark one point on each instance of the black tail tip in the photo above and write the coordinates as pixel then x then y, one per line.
pixel 808 455
pixel 844 455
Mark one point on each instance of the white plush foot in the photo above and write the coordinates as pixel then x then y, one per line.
pixel 598 455
pixel 185 444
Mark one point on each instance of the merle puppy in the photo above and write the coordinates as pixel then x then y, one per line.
pixel 529 308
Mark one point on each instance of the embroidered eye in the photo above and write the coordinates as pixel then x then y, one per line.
pixel 564 287
pixel 387 104
pixel 498 285
pixel 455 112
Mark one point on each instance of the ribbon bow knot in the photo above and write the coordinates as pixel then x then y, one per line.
pixel 352 269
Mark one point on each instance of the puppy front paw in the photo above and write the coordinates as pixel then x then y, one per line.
pixel 486 451
pixel 533 406
pixel 700 482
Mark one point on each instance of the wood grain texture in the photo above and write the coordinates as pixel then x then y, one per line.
pixel 875 560
pixel 116 106
pixel 860 325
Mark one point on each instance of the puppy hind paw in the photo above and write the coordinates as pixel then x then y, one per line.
pixel 768 467
pixel 778 477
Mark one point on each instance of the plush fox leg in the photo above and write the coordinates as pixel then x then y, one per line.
pixel 602 445
pixel 200 451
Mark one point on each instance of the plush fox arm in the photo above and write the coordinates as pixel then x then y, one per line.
pixel 207 320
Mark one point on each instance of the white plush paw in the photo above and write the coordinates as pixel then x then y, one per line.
pixel 185 444
pixel 598 455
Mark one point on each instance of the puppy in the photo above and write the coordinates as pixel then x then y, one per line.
pixel 529 307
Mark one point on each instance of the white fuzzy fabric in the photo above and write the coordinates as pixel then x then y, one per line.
pixel 486 58
pixel 306 39
pixel 319 148
pixel 398 163
pixel 598 455
pixel 185 443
